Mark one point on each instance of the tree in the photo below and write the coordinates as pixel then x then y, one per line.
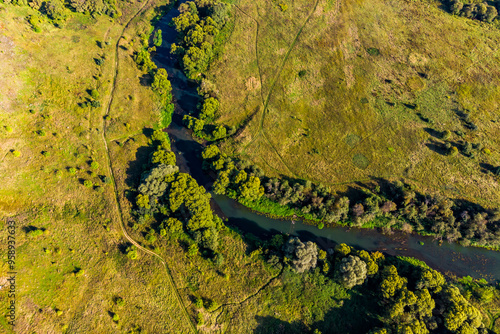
pixel 459 316
pixel 219 132
pixel 303 256
pixel 157 38
pixel 251 190
pixel 456 7
pixel 210 152
pixel 209 108
pixel 161 84
pixel 174 226
pixel 154 182
pixel 391 282
pixel 352 271
pixel 163 157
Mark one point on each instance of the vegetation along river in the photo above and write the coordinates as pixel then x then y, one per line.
pixel 449 258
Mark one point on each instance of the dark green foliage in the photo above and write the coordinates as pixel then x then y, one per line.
pixel 54 9
pixel 198 30
pixel 479 11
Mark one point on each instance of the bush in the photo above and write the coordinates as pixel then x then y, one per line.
pixel 72 170
pixel 94 165
pixel 94 94
pixel 88 183
pixel 119 301
pixel 34 233
pixel 16 153
pixel 132 252
pixel 445 135
pixel 157 38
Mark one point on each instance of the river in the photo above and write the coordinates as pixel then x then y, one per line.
pixel 448 258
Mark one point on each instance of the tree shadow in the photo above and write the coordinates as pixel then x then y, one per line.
pixel 271 325
pixel 137 166
pixel 146 80
pixel 488 168
pixel 437 147
pixel 433 133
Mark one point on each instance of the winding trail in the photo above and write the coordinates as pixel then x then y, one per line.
pixel 115 189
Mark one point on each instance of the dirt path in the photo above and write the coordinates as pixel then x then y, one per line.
pixel 115 190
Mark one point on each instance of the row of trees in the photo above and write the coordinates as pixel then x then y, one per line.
pixel 397 205
pixel 198 27
pixel 57 10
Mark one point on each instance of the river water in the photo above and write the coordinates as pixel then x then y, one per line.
pixel 449 258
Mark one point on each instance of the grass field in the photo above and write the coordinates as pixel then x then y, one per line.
pixel 347 91
pixel 68 278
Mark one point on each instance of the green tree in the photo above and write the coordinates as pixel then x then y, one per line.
pixel 251 190
pixel 352 271
pixel 209 108
pixel 304 256
pixel 161 84
pixel 157 38
pixel 163 157
pixel 391 282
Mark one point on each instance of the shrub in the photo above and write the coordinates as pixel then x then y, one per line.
pixel 41 133
pixel 99 61
pixel 119 301
pixel 94 165
pixel 34 233
pixel 94 94
pixel 8 128
pixel 88 183
pixel 132 252
pixel 445 135
pixel 157 38
pixel 58 173
pixel 46 153
pixel 16 153
pixel 72 170
pixel 95 104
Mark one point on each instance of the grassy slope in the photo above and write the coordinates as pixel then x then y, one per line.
pixel 326 125
pixel 49 72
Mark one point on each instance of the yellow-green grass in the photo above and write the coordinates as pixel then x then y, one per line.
pixel 334 123
pixel 44 77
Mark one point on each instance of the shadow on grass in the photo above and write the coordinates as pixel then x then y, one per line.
pixel 437 147
pixel 433 133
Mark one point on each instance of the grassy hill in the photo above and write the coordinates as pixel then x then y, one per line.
pixel 347 91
